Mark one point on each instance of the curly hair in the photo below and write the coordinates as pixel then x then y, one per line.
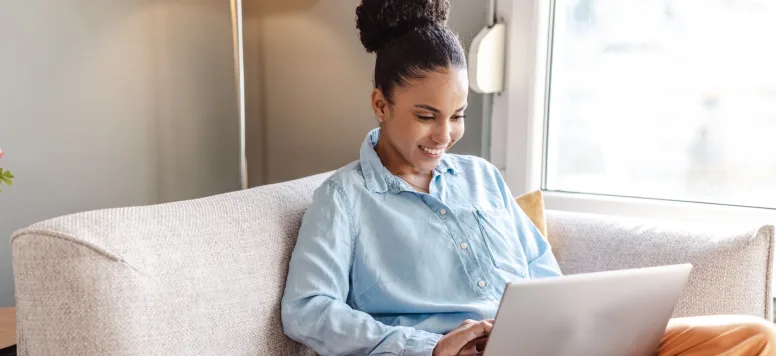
pixel 409 37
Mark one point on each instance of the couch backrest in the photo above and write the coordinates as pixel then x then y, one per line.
pixel 198 277
pixel 205 276
pixel 732 266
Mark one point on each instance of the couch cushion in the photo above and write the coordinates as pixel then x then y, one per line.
pixel 732 266
pixel 532 203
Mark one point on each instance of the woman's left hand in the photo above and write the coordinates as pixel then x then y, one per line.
pixel 477 346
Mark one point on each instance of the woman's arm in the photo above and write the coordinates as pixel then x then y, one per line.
pixel 313 306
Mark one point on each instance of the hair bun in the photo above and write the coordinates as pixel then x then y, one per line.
pixel 380 21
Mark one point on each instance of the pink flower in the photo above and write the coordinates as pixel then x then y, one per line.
pixel 1 153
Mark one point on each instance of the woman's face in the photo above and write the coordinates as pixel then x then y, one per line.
pixel 426 117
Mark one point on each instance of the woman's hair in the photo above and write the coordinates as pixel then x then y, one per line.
pixel 409 37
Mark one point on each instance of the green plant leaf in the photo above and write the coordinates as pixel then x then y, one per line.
pixel 7 174
pixel 6 180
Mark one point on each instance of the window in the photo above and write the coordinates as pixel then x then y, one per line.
pixel 662 99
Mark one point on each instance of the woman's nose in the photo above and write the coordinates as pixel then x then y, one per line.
pixel 441 134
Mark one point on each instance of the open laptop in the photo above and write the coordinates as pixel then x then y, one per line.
pixel 622 312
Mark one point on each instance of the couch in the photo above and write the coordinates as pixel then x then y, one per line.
pixel 205 276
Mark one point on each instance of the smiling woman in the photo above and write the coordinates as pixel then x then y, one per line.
pixel 404 251
pixel 423 121
pixel 419 119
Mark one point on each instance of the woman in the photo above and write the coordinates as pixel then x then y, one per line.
pixel 408 250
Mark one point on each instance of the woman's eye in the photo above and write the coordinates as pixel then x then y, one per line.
pixel 459 117
pixel 425 118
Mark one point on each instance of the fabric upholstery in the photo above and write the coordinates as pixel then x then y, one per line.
pixel 732 270
pixel 198 277
pixel 205 276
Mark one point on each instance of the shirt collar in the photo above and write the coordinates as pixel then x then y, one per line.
pixel 378 178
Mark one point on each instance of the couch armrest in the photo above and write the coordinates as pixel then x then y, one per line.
pixel 74 298
pixel 732 268
pixel 197 277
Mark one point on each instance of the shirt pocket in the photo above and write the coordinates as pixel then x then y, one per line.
pixel 500 235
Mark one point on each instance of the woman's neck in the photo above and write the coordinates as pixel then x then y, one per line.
pixel 396 164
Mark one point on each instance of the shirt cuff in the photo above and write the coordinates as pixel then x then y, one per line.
pixel 421 343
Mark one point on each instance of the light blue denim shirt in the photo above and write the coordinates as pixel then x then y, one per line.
pixel 380 269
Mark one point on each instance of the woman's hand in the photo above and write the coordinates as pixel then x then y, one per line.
pixel 467 339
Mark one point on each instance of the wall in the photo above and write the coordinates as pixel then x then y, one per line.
pixel 112 103
pixel 131 102
pixel 309 83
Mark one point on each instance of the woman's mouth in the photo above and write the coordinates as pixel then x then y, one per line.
pixel 432 152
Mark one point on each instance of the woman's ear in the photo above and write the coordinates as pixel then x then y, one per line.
pixel 379 104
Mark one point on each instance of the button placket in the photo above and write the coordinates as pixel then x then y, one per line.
pixel 468 257
pixel 477 268
pixel 474 271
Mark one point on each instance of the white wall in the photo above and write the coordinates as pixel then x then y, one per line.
pixel 107 103
pixel 309 83
pixel 129 102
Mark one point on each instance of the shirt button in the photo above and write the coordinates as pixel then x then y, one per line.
pixel 443 211
pixel 481 284
pixel 464 246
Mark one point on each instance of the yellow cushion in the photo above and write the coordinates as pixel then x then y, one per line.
pixel 533 205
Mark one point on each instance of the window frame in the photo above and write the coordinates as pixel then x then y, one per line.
pixel 519 127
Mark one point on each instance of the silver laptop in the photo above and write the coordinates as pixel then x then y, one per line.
pixel 621 312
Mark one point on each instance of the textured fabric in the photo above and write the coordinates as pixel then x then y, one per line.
pixel 381 269
pixel 205 277
pixel 532 204
pixel 732 269
pixel 199 277
pixel 729 335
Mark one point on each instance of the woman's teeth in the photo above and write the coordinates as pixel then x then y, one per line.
pixel 435 152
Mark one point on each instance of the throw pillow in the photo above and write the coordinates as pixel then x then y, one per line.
pixel 533 205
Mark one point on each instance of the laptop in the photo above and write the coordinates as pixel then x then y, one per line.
pixel 622 312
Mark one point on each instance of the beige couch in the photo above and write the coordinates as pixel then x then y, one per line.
pixel 205 277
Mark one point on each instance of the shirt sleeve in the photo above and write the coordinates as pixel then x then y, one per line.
pixel 314 310
pixel 537 249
